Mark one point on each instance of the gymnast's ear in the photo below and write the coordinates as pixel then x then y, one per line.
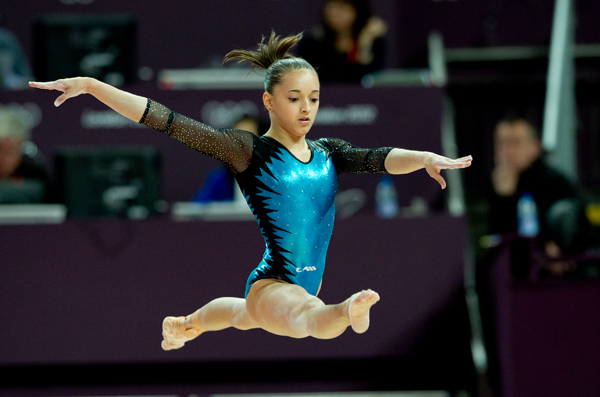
pixel 267 101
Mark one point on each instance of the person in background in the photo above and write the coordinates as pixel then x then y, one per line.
pixel 349 43
pixel 15 71
pixel 220 183
pixel 520 169
pixel 19 166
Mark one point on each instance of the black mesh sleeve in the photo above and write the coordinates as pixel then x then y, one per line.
pixel 233 147
pixel 349 158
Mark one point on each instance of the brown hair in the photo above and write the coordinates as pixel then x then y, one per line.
pixel 511 119
pixel 273 56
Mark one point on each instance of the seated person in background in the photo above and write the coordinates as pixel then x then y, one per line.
pixel 15 71
pixel 349 44
pixel 520 168
pixel 220 184
pixel 23 177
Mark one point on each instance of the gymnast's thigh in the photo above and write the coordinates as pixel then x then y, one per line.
pixel 279 307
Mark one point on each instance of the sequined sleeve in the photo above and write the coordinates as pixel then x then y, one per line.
pixel 233 147
pixel 355 160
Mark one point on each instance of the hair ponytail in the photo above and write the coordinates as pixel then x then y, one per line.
pixel 274 56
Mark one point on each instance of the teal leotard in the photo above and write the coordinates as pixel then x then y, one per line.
pixel 293 201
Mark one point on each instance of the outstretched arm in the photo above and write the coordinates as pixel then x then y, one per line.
pixel 349 158
pixel 402 161
pixel 233 147
pixel 127 104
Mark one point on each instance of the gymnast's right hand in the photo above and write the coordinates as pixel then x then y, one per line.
pixel 70 87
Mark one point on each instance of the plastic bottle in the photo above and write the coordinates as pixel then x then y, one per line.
pixel 528 224
pixel 386 199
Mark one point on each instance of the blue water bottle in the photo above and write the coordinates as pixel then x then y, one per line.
pixel 386 199
pixel 528 223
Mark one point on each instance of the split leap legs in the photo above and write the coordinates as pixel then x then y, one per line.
pixel 277 307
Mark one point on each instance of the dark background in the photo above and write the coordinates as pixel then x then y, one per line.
pixel 54 293
pixel 188 34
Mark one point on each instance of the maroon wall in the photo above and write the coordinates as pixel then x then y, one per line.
pixel 97 291
pixel 547 333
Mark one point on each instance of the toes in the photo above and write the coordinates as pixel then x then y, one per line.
pixel 359 310
pixel 369 296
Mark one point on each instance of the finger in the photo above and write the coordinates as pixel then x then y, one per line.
pixel 463 160
pixel 466 159
pixel 59 101
pixel 462 165
pixel 36 84
pixel 454 165
pixel 441 181
pixel 438 177
pixel 43 86
pixel 448 163
pixel 51 85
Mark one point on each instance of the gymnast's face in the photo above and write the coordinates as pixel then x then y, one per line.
pixel 294 103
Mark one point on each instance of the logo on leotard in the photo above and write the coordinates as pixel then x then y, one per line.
pixel 306 269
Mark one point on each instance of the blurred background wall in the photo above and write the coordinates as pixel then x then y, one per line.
pixel 450 66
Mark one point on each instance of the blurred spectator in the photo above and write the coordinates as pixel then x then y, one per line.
pixel 15 71
pixel 220 184
pixel 520 169
pixel 23 176
pixel 349 43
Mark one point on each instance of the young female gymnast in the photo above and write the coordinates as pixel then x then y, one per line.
pixel 290 184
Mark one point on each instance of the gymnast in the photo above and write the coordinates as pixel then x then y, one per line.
pixel 289 182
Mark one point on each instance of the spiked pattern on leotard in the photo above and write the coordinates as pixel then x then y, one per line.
pixel 293 201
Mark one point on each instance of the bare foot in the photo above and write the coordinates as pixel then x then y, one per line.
pixel 175 333
pixel 360 304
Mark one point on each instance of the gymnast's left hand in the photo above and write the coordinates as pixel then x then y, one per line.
pixel 434 164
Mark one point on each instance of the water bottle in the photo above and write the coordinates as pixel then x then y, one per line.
pixel 528 224
pixel 386 200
